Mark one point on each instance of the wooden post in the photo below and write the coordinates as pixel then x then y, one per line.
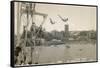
pixel 18 22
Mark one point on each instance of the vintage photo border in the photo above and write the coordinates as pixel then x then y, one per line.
pixel 12 64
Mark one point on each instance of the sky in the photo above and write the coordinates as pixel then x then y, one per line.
pixel 79 17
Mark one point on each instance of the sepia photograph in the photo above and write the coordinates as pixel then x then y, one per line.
pixel 50 33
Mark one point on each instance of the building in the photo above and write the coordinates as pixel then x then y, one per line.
pixel 67 32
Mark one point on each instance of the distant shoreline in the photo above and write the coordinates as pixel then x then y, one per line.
pixel 70 41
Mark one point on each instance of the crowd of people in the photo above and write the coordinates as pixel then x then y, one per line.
pixel 28 39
